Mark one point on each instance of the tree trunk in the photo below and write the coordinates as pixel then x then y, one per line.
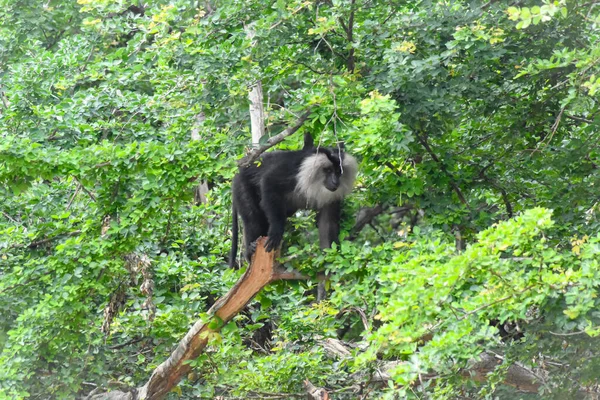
pixel 257 113
pixel 202 188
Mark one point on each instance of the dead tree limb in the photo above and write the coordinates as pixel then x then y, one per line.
pixel 261 271
pixel 167 375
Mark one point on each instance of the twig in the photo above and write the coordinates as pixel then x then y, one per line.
pixel 486 5
pixel 475 311
pixel 554 128
pixel 132 341
pixel 423 141
pixel 73 197
pixel 10 218
pixel 567 334
pixel 364 217
pixel 84 189
pixel 360 312
pixel 350 64
pixel 283 274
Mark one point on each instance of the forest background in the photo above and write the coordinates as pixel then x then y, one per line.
pixel 472 233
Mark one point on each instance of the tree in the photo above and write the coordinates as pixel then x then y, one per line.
pixel 472 120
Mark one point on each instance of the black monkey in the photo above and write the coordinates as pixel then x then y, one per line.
pixel 267 193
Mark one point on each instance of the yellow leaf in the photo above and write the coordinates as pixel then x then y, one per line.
pixel 571 313
pixel 92 22
pixel 406 47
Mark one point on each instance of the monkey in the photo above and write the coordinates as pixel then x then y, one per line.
pixel 283 182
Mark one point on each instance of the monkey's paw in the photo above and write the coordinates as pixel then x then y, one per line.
pixel 250 250
pixel 273 242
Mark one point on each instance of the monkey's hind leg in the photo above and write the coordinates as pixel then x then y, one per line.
pixel 254 221
pixel 252 231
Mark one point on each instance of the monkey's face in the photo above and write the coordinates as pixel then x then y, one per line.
pixel 325 177
pixel 332 179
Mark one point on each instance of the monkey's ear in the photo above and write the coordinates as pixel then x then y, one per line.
pixel 342 145
pixel 308 141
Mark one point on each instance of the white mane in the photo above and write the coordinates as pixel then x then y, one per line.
pixel 310 185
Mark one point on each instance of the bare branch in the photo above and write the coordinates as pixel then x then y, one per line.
pixel 255 154
pixel 167 375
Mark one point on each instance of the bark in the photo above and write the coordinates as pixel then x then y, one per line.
pixel 335 348
pixel 517 376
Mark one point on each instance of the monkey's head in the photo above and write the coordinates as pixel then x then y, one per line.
pixel 331 168
pixel 326 175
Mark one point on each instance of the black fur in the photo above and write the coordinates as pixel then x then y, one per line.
pixel 265 195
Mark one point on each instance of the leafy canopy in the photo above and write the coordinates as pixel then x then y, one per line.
pixel 472 121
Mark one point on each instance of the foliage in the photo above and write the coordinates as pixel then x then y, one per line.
pixel 472 120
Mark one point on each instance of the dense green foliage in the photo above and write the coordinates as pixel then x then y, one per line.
pixel 476 127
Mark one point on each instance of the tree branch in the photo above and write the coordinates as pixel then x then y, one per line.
pixel 364 217
pixel 40 242
pixel 580 119
pixel 255 154
pixel 350 62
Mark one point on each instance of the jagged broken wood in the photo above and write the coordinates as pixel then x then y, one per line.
pixel 315 393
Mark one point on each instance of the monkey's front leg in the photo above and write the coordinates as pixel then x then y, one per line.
pixel 273 206
pixel 328 222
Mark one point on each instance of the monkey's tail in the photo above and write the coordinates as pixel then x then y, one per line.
pixel 234 237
